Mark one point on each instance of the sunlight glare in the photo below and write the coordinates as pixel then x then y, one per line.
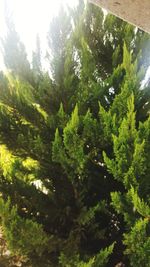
pixel 31 17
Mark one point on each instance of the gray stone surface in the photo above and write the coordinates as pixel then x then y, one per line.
pixel 136 12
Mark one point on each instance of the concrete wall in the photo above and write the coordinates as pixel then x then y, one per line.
pixel 137 12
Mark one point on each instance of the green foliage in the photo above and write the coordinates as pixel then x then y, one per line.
pixel 69 263
pixel 138 244
pixel 100 260
pixel 75 142
pixel 57 149
pixel 129 153
pixel 72 145
pixel 23 236
pixel 72 142
pixel 86 217
pixel 108 123
pixel 139 205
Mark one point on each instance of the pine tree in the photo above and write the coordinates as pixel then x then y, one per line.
pixel 130 166
pixel 15 57
pixel 74 147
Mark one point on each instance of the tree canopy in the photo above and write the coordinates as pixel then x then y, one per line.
pixel 75 144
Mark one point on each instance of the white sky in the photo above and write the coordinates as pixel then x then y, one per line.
pixel 31 17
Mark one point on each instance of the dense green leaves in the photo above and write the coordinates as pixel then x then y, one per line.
pixel 100 260
pixel 74 144
pixel 18 232
pixel 138 244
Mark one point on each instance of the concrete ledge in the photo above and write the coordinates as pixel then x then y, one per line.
pixel 136 12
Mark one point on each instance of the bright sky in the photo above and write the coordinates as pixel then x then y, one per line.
pixel 31 17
